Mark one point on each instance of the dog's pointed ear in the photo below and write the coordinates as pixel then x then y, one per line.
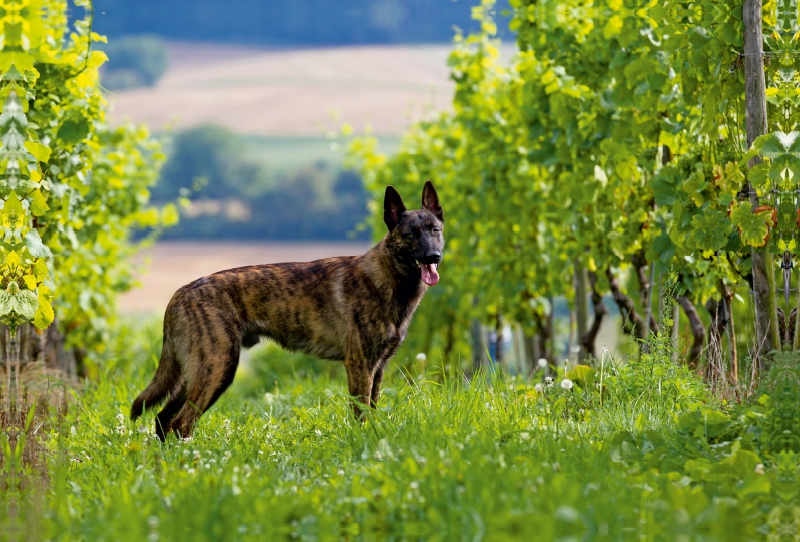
pixel 393 207
pixel 430 201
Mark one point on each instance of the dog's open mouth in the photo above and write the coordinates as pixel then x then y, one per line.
pixel 430 273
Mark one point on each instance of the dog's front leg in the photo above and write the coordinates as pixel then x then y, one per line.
pixel 359 383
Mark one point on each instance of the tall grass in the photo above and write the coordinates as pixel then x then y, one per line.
pixel 441 458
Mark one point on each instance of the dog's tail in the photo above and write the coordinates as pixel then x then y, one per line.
pixel 167 378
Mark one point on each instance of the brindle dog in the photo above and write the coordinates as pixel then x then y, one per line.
pixel 355 309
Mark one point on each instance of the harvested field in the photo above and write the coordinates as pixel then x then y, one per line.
pixel 292 92
pixel 173 264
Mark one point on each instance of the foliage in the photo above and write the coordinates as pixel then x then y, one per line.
pixel 444 460
pixel 134 61
pixel 616 134
pixel 73 188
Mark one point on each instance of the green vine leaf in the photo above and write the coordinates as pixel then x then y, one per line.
pixel 23 303
pixel 39 151
pixel 753 227
pixel 44 314
pixel 37 249
pixel 38 203
pixel 710 230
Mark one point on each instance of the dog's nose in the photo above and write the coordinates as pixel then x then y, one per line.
pixel 432 257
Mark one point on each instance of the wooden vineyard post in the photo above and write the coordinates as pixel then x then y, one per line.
pixel 767 333
pixel 581 307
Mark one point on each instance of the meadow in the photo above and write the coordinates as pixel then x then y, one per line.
pixel 619 451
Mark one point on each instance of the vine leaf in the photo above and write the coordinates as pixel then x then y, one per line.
pixel 44 314
pixel 33 242
pixel 74 130
pixel 39 151
pixel 38 203
pixel 711 229
pixel 753 226
pixel 24 303
pixel 782 150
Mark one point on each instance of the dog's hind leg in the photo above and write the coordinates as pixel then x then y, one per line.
pixel 173 406
pixel 359 384
pixel 377 378
pixel 211 379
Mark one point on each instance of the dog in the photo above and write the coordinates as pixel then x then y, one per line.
pixel 354 309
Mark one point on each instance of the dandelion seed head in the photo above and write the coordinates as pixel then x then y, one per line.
pixel 422 356
pixel 566 384
pixel 542 363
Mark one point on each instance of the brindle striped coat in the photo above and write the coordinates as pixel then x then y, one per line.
pixel 356 309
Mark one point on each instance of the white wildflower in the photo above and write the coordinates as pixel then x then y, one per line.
pixel 548 380
pixel 566 384
pixel 760 469
pixel 575 349
pixel 421 356
pixel 542 363
pixel 539 388
pixel 121 425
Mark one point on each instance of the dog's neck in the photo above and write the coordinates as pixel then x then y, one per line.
pixel 402 280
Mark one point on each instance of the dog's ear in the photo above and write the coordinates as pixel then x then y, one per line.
pixel 430 201
pixel 393 207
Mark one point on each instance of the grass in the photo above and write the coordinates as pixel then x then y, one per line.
pixel 646 454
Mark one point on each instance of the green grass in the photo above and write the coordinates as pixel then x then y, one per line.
pixel 443 458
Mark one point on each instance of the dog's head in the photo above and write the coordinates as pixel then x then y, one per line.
pixel 415 237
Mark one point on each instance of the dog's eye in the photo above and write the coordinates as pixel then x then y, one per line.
pixel 437 230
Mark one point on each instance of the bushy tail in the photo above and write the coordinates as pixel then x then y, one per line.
pixel 167 378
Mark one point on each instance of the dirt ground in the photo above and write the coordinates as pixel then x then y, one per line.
pixel 173 264
pixel 292 92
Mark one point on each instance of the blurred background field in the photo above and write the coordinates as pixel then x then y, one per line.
pixel 250 109
pixel 251 116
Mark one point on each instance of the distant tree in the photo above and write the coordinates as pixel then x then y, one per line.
pixel 134 61
pixel 234 196
pixel 213 156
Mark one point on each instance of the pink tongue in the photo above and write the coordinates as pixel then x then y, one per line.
pixel 429 274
